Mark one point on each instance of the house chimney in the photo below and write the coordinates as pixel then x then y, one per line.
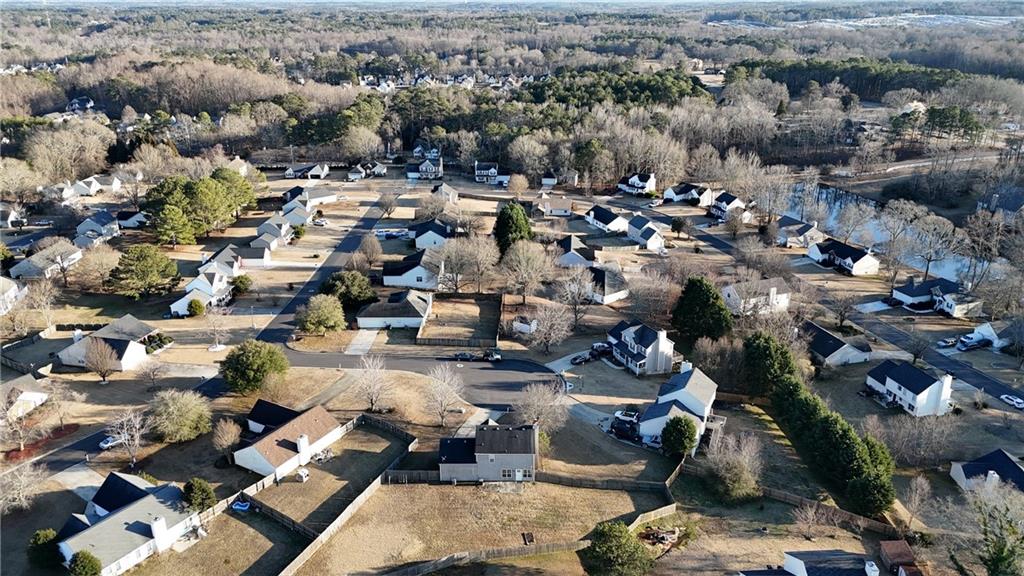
pixel 685 366
pixel 992 480
pixel 302 442
pixel 161 536
pixel 771 294
pixel 911 280
pixel 814 224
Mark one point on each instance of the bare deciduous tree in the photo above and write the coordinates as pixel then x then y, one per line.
pixel 372 382
pixel 542 404
pixel 458 257
pixel 18 487
pixel 843 304
pixel 935 239
pixel 735 461
pixel 370 248
pixel 485 256
pixel 216 326
pixel 916 441
pixel 226 433
pixel 525 266
pixel 431 206
pixel 128 429
pixel 93 270
pixel 574 290
pixel 444 391
pixel 813 519
pixel 917 345
pixel 852 221
pixel 721 360
pixel 387 203
pixel 652 295
pixel 918 495
pixel 60 398
pixel 100 358
pixel 554 325
pixel 15 427
pixel 151 372
pixel 42 297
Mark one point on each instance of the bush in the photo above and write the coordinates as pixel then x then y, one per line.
pixel 196 308
pixel 679 437
pixel 199 494
pixel 242 284
pixel 84 563
pixel 615 551
pixel 180 415
pixel 247 367
pixel 42 548
pixel 147 477
pixel 352 288
pixel 300 231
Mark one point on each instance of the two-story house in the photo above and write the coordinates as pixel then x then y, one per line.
pixel 426 151
pixel 496 454
pixel 916 391
pixel 638 183
pixel 47 262
pixel 726 204
pixel 574 252
pixel 428 169
pixel 854 261
pixel 446 192
pixel 606 220
pixel 690 393
pixel 640 348
pixel 210 288
pixel 757 297
pixel 422 270
pixel 795 233
pixel 695 194
pixel 273 232
pixel 644 232
pixel 431 233
pixel 485 172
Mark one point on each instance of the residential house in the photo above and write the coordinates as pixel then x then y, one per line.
pixel 558 207
pixel 21 394
pixel 282 449
pixel 795 233
pixel 431 233
pixel 265 416
pixel 819 563
pixel 449 193
pixel 210 288
pixel 916 391
pixel 87 187
pixel 574 253
pixel 253 257
pixel 485 172
pixel 96 229
pixel 695 194
pixel 308 197
pixel 103 183
pixel 63 193
pixel 503 178
pixel 923 295
pixel 828 349
pixel 47 262
pixel 959 305
pixel 999 333
pixel 644 232
pixel 10 217
pixel 266 242
pixel 767 296
pixel 638 183
pixel 132 219
pixel 80 104
pixel 374 168
pixel 854 261
pixel 548 180
pixel 495 454
pixel 124 336
pixel 406 309
pixel 426 151
pixel 608 285
pixel 996 466
pixel 688 394
pixel 10 293
pixel 604 219
pixel 425 170
pixel 298 216
pixel 278 227
pixel 420 270
pixel 642 349
pixel 126 521
pixel 726 204
pixel 318 170
pixel 356 173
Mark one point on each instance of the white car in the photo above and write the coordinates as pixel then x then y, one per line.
pixel 320 222
pixel 1013 401
pixel 627 415
pixel 655 203
pixel 109 442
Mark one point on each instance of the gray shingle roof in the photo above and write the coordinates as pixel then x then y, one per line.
pixel 695 382
pixel 127 328
pixel 905 374
pixel 506 440
pixel 823 343
pixel 841 250
pixel 923 288
pixel 670 409
pixel 574 244
pixel 427 258
pixel 457 451
pixel 831 562
pixel 404 304
pixel 1001 462
pixel 119 490
pixel 607 280
pixel 102 218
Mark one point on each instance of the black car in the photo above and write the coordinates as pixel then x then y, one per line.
pixel 580 359
pixel 463 356
pixel 624 430
pixel 492 356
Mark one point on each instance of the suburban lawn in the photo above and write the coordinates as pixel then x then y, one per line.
pixel 582 449
pixel 608 389
pixel 557 564
pixel 409 523
pixel 466 317
pixel 52 506
pixel 247 543
pixel 331 342
pixel 359 457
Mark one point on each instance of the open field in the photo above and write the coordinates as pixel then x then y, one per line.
pixel 247 543
pixel 463 318
pixel 53 505
pixel 582 449
pixel 359 457
pixel 402 524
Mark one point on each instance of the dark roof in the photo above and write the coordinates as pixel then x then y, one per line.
pixel 75 524
pixel 574 244
pixel 102 218
pixel 830 562
pixel 639 222
pixel 924 288
pixel 404 304
pixel 1001 462
pixel 506 439
pixel 648 233
pixel 618 329
pixel 486 166
pixel 431 226
pixel 425 258
pixel 127 214
pixel 271 414
pixel 457 451
pixel 412 168
pixel 607 280
pixel 120 490
pixel 843 251
pixel 644 335
pixel 292 193
pixel 602 214
pixel 659 409
pixel 823 343
pixel 799 227
pixel 903 373
pixel 643 177
pixel 245 252
pixel 726 198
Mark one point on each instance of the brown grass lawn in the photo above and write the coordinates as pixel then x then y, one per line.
pixel 604 388
pixel 558 564
pixel 53 505
pixel 401 524
pixel 330 342
pixel 359 457
pixel 463 318
pixel 582 449
pixel 236 544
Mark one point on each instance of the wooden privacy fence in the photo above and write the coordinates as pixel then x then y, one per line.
pixel 490 554
pixel 844 516
pixel 641 519
pixel 742 399
pixel 604 483
pixel 412 477
pixel 283 519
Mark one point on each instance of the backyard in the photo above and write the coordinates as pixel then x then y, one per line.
pixel 582 449
pixel 463 318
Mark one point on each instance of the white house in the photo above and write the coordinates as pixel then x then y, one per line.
pixel 558 207
pixel 63 193
pixel 855 261
pixel 102 223
pixel 284 448
pixel 642 349
pixel 688 394
pixel 701 196
pixel 209 288
pixel 144 520
pixel 644 232
pixel 916 391
pixel 609 285
pixel 429 169
pixel 1000 334
pixel 298 216
pixel 638 183
pixel 820 562
pixel 265 241
pixel 420 270
pixel 431 233
pixel 795 233
pixel 724 204
pixel 10 293
pixel 9 216
pixel 448 193
pixel 604 219
pixel 406 309
pixel 425 151
pixel 959 305
pixel 548 180
pixel 225 261
pixel 485 172
pixel 254 257
pixel 828 349
pixel 924 294
pixel 319 171
pixel 986 471
pixel 123 335
pixel 103 183
pixel 574 253
pixel 277 226
pixel 87 187
pixel 132 219
pixel 356 173
pixel 47 262
pixel 21 395
pixel 265 416
pixel 757 297
pixel 308 197
pixel 374 168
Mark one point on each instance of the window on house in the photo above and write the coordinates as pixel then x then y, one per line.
pixel 506 473
pixel 490 457
pixel 528 473
pixel 419 278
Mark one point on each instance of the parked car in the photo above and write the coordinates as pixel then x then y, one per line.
pixel 602 348
pixel 464 356
pixel 627 415
pixel 655 203
pixel 580 359
pixel 42 223
pixel 624 430
pixel 973 344
pixel 492 356
pixel 320 222
pixel 109 442
pixel 653 442
pixel 1013 401
pixel 947 342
